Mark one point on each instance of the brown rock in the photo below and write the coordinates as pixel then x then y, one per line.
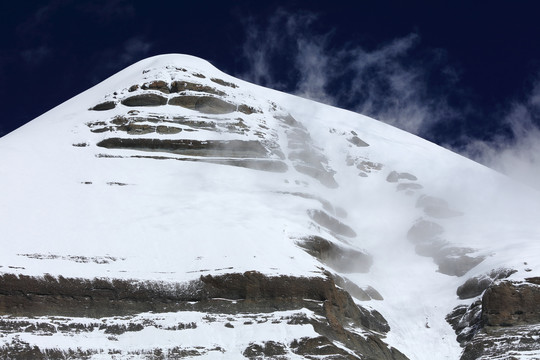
pixel 331 223
pixel 224 83
pixel 248 110
pixel 222 148
pixel 158 85
pixel 476 285
pixel 254 293
pixel 107 105
pixel 145 100
pixel 204 104
pixel 337 257
pixel 511 303
pixel 179 86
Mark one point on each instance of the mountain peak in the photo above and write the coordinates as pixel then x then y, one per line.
pixel 175 204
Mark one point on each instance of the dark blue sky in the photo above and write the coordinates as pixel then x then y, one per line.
pixel 450 71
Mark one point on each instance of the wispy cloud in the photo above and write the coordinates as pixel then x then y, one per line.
pixel 135 48
pixel 517 155
pixel 392 82
pixel 386 82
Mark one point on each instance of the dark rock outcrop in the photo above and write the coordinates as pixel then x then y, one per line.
pixel 180 86
pixel 204 104
pixel 394 176
pixel 268 349
pixel 355 140
pixel 364 294
pixel 158 85
pixel 306 158
pixel 221 148
pixel 145 100
pixel 251 291
pixel 339 258
pixel 254 164
pixel 424 230
pixel 248 110
pixel 475 286
pixel 324 176
pixel 452 260
pixel 224 83
pixel 466 321
pixel 503 322
pixel 334 225
pixel 107 105
pixel 509 303
pixel 455 261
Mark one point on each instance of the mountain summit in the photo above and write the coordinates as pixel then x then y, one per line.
pixel 174 211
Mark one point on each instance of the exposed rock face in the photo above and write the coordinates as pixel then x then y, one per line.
pixel 365 166
pixel 355 140
pixel 248 110
pixel 250 292
pixel 224 83
pixel 269 349
pixel 339 258
pixel 475 286
pixel 306 158
pixel 224 148
pixel 466 321
pixel 180 86
pixel 427 237
pixel 364 294
pixel 456 261
pixel 504 321
pixel 394 176
pixel 504 343
pixel 508 303
pixel 204 104
pixel 331 223
pixel 145 100
pixel 107 105
pixel 158 85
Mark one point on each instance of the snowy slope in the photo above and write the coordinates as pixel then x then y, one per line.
pixel 79 200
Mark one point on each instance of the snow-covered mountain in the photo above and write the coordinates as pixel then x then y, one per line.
pixel 174 211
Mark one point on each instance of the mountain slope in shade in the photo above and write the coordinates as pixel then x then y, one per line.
pixel 176 211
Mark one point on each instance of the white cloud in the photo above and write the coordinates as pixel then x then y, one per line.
pixel 135 48
pixel 388 82
pixel 382 82
pixel 518 157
